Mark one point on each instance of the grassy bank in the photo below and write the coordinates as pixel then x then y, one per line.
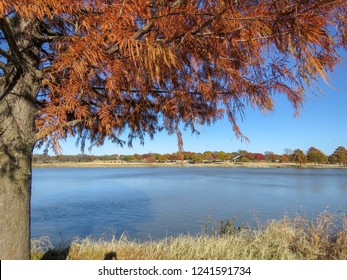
pixel 325 238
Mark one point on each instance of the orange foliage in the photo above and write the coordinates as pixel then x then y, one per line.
pixel 146 65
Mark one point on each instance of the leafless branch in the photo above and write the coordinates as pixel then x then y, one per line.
pixel 47 38
pixel 3 66
pixel 9 82
pixel 16 59
pixel 177 3
pixel 7 55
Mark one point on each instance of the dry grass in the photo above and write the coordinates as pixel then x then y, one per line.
pixel 286 239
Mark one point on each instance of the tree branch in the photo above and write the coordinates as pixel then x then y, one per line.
pixel 177 3
pixel 46 38
pixel 10 82
pixel 147 28
pixel 199 29
pixel 50 34
pixel 11 42
pixel 3 66
pixel 7 55
pixel 144 30
pixel 64 125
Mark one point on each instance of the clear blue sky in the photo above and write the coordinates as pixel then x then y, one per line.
pixel 321 124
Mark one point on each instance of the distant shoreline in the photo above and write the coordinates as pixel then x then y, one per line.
pixel 122 164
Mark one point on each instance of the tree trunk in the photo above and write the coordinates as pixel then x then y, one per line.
pixel 16 143
pixel 15 193
pixel 17 137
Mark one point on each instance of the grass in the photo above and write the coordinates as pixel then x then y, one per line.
pixel 299 238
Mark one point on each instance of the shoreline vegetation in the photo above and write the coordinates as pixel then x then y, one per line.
pixel 299 238
pixel 314 158
pixel 226 164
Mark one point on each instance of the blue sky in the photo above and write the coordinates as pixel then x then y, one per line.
pixel 321 124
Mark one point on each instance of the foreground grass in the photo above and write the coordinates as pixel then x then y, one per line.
pixel 285 239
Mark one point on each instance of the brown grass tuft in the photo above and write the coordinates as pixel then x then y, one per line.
pixel 325 238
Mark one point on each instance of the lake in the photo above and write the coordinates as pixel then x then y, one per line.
pixel 158 202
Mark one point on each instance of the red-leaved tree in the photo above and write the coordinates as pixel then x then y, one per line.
pixel 95 69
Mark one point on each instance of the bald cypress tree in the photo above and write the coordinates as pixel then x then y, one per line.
pixel 96 69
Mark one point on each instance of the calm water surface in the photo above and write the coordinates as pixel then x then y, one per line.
pixel 158 202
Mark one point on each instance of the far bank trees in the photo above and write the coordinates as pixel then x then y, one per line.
pixel 299 157
pixel 339 156
pixel 316 156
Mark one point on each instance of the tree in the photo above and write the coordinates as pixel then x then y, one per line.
pixel 287 151
pixel 254 156
pixel 173 157
pixel 285 158
pixel 207 156
pixel 187 155
pixel 150 159
pixel 270 156
pixel 339 156
pixel 197 157
pixel 138 157
pixel 316 156
pixel 242 152
pixel 163 158
pixel 223 156
pixel 132 158
pixel 298 156
pixel 97 69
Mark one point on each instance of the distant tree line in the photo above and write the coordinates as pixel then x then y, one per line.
pixel 313 155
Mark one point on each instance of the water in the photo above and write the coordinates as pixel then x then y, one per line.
pixel 158 202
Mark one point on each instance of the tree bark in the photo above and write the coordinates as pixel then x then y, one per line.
pixel 16 143
pixel 17 137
